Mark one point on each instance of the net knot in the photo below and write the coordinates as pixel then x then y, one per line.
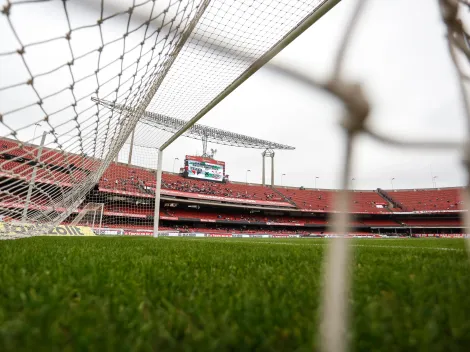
pixel 6 9
pixel 354 100
pixel 449 10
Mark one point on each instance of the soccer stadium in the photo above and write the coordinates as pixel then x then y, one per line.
pixel 205 203
pixel 123 228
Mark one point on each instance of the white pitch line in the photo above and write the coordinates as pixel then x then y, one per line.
pixel 353 245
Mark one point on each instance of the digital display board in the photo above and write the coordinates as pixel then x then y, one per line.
pixel 204 168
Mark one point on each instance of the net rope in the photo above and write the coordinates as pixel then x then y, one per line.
pixel 112 127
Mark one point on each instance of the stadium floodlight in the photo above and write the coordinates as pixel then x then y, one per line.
pixel 36 125
pixel 151 123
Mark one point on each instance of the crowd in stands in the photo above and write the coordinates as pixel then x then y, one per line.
pixel 121 178
pixel 68 168
pixel 229 190
pixel 186 185
pixel 135 180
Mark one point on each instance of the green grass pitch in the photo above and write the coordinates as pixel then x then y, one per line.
pixel 144 294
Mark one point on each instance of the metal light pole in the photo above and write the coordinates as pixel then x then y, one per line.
pixel 34 133
pixel 316 178
pixel 282 177
pixel 174 164
pixel 246 176
pixel 352 182
pixel 391 182
pixel 431 173
pixel 434 181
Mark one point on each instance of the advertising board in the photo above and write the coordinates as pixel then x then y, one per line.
pixel 14 229
pixel 204 168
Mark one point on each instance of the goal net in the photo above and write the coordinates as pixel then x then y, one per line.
pixel 175 58
pixel 76 77
pixel 90 215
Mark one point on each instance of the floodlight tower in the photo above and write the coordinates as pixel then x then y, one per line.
pixel 270 154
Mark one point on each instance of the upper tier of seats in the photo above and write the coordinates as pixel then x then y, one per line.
pixel 122 178
pixel 428 199
pixel 323 200
pixel 70 169
pixel 119 177
pixel 230 190
pixel 56 167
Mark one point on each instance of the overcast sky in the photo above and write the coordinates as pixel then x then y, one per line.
pixel 399 53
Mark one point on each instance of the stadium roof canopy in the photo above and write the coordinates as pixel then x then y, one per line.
pixel 202 132
pixel 214 135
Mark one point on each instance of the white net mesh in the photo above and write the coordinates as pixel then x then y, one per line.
pixel 176 55
pixel 97 52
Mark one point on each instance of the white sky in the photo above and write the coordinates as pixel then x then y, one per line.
pixel 399 53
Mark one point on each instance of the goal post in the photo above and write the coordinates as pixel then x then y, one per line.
pixel 90 215
pixel 158 188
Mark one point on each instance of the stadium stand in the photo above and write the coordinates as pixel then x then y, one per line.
pixel 380 223
pixel 433 222
pixel 428 199
pixel 122 189
pixel 323 200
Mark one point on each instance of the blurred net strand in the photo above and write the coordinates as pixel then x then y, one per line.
pixel 457 38
pixel 334 306
pixel 336 276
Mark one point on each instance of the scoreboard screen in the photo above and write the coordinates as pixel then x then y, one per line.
pixel 204 168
